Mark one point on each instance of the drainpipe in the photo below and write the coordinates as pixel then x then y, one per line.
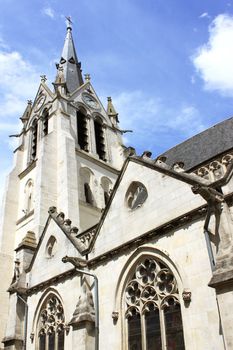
pixel 25 321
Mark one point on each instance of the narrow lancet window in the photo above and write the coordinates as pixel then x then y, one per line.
pixel 99 139
pixel 82 131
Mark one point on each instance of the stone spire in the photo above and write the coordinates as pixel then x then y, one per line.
pixel 69 61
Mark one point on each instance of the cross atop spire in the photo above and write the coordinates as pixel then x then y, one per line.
pixel 69 22
pixel 69 61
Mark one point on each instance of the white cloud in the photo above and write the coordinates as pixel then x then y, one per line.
pixel 213 60
pixel 48 11
pixel 152 117
pixel 204 15
pixel 19 81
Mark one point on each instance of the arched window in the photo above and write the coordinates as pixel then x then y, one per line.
pixel 28 201
pixel 34 139
pixel 82 130
pixel 153 312
pixel 106 185
pixel 99 139
pixel 86 186
pixel 45 122
pixel 50 329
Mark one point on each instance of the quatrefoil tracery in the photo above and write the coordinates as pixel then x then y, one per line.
pixel 51 316
pixel 152 285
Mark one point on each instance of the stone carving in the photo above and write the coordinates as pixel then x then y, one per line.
pixel 16 272
pixel 87 237
pixel 85 310
pixel 136 195
pixel 77 262
pixel 115 316
pixel 129 151
pixel 146 154
pixel 215 170
pixel 223 226
pixel 66 226
pixel 186 295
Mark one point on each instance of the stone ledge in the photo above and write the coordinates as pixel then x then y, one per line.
pixel 221 279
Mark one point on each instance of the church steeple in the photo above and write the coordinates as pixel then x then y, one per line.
pixel 69 61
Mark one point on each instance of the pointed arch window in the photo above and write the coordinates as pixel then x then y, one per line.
pixel 45 122
pixel 86 186
pixel 153 313
pixel 29 200
pixel 82 129
pixel 106 185
pixel 51 325
pixel 34 139
pixel 99 139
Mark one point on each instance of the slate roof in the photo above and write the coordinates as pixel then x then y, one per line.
pixel 202 147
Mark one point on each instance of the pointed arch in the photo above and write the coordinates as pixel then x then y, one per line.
pixel 49 322
pixel 148 296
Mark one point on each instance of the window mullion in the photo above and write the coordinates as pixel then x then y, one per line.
pixel 56 339
pixel 163 330
pixel 143 331
pixel 47 342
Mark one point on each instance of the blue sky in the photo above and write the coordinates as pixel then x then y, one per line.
pixel 168 65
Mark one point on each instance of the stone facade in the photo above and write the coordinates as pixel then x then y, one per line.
pixel 101 248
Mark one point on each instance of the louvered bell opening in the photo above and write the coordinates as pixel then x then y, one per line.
pixel 82 132
pixel 99 139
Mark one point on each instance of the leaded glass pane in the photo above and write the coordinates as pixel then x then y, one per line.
pixel 152 291
pixel 134 332
pixel 173 326
pixel 51 341
pixel 153 334
pixel 42 341
pixel 60 341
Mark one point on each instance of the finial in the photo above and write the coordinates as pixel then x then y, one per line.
pixel 43 78
pixel 29 102
pixel 109 99
pixel 87 77
pixel 69 22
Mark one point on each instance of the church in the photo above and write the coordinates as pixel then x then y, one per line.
pixel 102 248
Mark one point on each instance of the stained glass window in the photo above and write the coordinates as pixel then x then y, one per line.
pixel 153 311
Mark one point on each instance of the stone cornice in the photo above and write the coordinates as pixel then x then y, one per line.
pixel 149 235
pixel 102 164
pixel 28 169
pixel 53 280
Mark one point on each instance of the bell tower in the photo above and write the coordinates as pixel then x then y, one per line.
pixel 69 156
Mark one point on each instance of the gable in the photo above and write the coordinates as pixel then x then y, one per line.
pixel 168 198
pixel 47 260
pixel 79 100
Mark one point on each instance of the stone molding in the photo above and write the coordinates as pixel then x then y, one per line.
pixel 28 169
